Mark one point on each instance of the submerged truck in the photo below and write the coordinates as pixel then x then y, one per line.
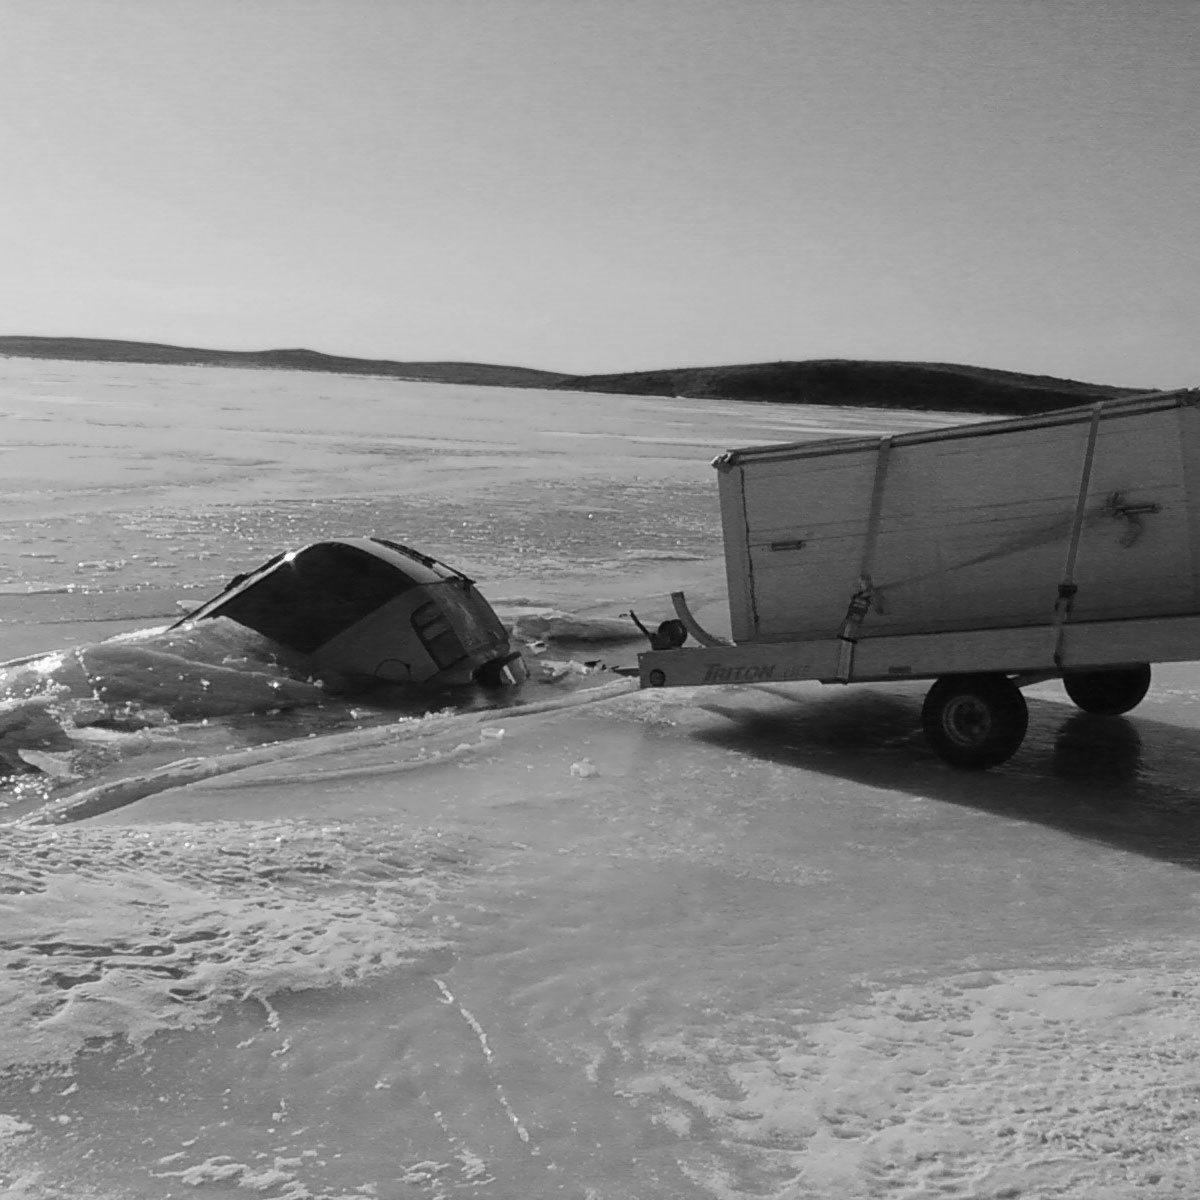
pixel 366 611
pixel 984 557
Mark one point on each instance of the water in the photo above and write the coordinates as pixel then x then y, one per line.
pixel 750 941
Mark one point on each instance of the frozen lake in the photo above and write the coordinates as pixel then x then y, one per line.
pixel 606 944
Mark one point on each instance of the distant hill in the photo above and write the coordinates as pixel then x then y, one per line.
pixel 942 387
pixel 104 350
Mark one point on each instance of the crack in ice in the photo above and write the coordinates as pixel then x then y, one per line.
pixel 480 1033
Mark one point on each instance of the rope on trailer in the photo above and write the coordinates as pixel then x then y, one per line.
pixel 1113 507
pixel 1064 605
pixel 868 592
pixel 1018 545
pixel 860 602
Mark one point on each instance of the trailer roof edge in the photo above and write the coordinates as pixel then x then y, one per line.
pixel 1109 409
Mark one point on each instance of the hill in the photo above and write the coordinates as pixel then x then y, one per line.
pixel 105 350
pixel 943 387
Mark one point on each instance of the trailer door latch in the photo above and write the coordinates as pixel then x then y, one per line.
pixel 1133 513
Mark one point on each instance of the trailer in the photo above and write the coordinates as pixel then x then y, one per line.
pixel 985 557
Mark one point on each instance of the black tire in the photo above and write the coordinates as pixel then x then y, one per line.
pixel 1110 692
pixel 975 721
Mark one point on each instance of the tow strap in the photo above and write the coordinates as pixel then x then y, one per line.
pixel 1064 605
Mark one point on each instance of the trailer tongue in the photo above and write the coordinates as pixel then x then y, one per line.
pixel 985 557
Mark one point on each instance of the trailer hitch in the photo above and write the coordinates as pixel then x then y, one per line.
pixel 1116 507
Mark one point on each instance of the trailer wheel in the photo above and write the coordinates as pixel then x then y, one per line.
pixel 1108 693
pixel 975 721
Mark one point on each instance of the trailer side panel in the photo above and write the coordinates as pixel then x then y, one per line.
pixel 973 531
pixel 739 576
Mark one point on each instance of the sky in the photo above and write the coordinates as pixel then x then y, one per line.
pixel 610 185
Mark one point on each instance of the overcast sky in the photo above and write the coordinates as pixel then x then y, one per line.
pixel 604 185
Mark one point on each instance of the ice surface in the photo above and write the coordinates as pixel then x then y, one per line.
pixel 1052 1082
pixel 749 941
pixel 129 932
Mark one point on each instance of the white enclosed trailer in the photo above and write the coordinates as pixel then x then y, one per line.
pixel 983 556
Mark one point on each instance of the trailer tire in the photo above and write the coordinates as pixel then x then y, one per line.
pixel 975 721
pixel 1108 693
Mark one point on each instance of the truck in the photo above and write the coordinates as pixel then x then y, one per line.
pixel 984 557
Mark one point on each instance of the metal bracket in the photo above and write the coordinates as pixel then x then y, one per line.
pixel 1116 507
pixel 693 626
